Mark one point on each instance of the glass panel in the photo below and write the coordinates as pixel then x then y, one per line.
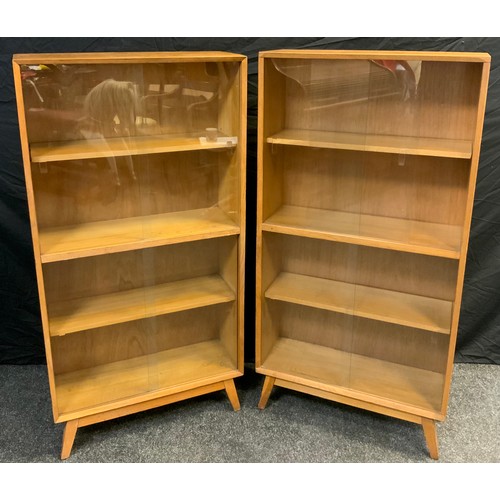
pixel 412 171
pixel 84 101
pixel 164 317
pixel 365 175
pixel 136 173
pixel 312 200
pixel 104 131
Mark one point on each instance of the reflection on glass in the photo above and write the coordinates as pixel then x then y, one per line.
pixel 64 102
pixel 138 215
pixel 109 110
pixel 406 75
pixel 331 83
pixel 98 132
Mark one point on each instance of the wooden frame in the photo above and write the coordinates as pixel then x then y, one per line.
pixel 367 163
pixel 138 225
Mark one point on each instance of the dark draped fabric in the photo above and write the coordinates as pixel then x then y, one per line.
pixel 21 339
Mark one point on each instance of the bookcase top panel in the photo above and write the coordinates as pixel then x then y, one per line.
pixel 125 57
pixel 482 57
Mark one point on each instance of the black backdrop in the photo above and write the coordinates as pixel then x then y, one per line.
pixel 20 325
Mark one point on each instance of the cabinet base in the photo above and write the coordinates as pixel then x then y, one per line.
pixel 73 425
pixel 428 424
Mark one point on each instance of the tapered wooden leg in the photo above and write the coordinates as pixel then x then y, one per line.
pixel 232 394
pixel 431 437
pixel 68 438
pixel 266 391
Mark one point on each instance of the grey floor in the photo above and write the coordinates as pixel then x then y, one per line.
pixel 294 428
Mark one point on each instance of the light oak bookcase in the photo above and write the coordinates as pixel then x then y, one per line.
pixel 138 225
pixel 367 165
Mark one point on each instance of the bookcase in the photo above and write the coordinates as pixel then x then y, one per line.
pixel 367 164
pixel 135 175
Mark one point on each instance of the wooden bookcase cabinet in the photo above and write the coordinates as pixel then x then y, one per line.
pixel 138 225
pixel 367 164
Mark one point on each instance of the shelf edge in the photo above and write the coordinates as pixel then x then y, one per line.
pixel 356 240
pixel 357 313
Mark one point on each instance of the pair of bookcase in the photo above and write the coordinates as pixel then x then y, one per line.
pixel 366 171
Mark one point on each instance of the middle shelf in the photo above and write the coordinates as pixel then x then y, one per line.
pixel 85 313
pixel 103 237
pixel 427 238
pixel 405 309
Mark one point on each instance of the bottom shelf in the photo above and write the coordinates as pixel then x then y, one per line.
pixel 105 387
pixel 391 384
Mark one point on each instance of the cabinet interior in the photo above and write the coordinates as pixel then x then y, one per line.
pixel 69 193
pixel 75 102
pixel 142 310
pixel 417 99
pixel 134 168
pixel 365 190
pixel 392 309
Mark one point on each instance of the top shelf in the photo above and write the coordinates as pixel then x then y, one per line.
pixel 422 146
pixel 124 146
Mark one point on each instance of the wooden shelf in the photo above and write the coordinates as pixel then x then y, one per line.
pixel 399 308
pixel 106 386
pixel 98 238
pixel 354 375
pixel 92 312
pixel 423 146
pixel 121 146
pixel 404 235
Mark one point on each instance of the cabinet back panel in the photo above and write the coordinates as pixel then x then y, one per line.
pixel 322 94
pixel 432 99
pixel 314 326
pixel 394 343
pixel 86 191
pixel 385 269
pixel 422 188
pixel 448 100
pixel 403 345
pixel 321 178
pixel 128 270
pixel 138 338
